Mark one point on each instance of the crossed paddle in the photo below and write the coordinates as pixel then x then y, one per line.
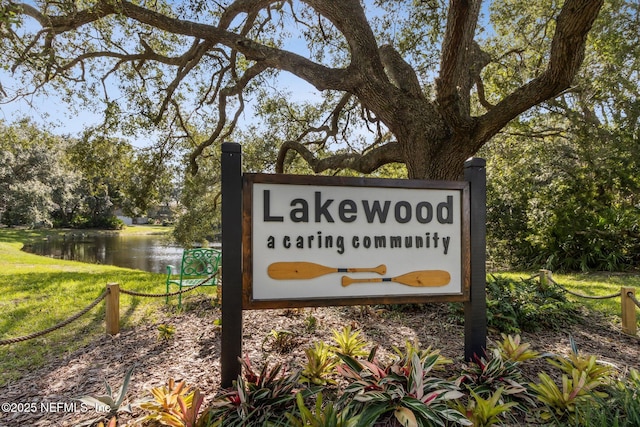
pixel 310 270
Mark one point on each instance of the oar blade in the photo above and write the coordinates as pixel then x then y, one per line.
pixel 424 278
pixel 297 270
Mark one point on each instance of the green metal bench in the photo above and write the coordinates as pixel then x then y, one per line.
pixel 197 265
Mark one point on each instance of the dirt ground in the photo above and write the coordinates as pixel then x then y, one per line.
pixel 193 353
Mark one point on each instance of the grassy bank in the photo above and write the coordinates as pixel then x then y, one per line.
pixel 39 292
pixel 595 284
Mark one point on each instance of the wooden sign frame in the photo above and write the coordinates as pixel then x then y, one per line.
pixel 237 280
pixel 319 182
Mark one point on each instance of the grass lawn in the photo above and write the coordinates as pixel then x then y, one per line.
pixel 39 292
pixel 595 284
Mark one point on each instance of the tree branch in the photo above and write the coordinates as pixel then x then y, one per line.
pixel 457 49
pixel 222 111
pixel 363 163
pixel 567 52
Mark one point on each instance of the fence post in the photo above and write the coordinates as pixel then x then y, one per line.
pixel 112 314
pixel 628 311
pixel 545 278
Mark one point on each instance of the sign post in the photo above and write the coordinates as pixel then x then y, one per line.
pixel 231 346
pixel 475 309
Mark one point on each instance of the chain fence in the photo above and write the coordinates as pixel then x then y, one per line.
pixel 627 296
pixel 182 291
pixel 633 298
pixel 93 304
pixel 617 294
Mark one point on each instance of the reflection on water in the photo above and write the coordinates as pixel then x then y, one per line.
pixel 141 252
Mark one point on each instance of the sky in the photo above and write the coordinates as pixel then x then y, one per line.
pixel 52 112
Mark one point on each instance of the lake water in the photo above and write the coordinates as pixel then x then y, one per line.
pixel 141 252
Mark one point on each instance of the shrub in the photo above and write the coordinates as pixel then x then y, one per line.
pixel 403 390
pixel 321 415
pixel 173 405
pixel 111 400
pixel 256 399
pixel 484 376
pixel 349 342
pixel 484 412
pixel 321 362
pixel 619 408
pixel 280 341
pixel 582 380
pixel 514 306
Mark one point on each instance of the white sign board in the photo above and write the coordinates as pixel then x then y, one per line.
pixel 340 240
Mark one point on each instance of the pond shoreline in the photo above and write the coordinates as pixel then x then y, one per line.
pixel 139 247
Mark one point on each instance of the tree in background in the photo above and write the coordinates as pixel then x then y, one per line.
pixel 35 176
pixel 409 74
pixel 564 188
pixel 104 164
pixel 117 175
pixel 199 219
pixel 48 180
pixel 148 184
pixel 420 84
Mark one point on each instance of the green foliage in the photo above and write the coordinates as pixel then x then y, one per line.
pixel 496 383
pixel 484 376
pixel 200 197
pixel 320 415
pixel 321 362
pixel 561 401
pixel 516 305
pixel 562 180
pixel 257 399
pixel 403 390
pixel 173 405
pixel 279 341
pixel 166 331
pixel 102 221
pixel 594 370
pixel 110 400
pixel 619 407
pixel 200 194
pixel 310 323
pixel 49 180
pixel 484 412
pixel 582 377
pixel 512 348
pixel 37 184
pixel 349 342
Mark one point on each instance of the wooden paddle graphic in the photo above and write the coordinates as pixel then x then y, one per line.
pixel 310 270
pixel 421 278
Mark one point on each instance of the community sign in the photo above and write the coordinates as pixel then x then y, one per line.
pixel 316 241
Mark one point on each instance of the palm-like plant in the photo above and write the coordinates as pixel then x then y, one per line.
pixel 257 399
pixel 485 375
pixel 321 362
pixel 403 391
pixel 173 405
pixel 349 342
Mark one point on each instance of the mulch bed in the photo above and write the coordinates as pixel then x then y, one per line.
pixel 193 353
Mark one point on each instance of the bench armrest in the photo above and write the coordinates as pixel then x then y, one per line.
pixel 170 269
